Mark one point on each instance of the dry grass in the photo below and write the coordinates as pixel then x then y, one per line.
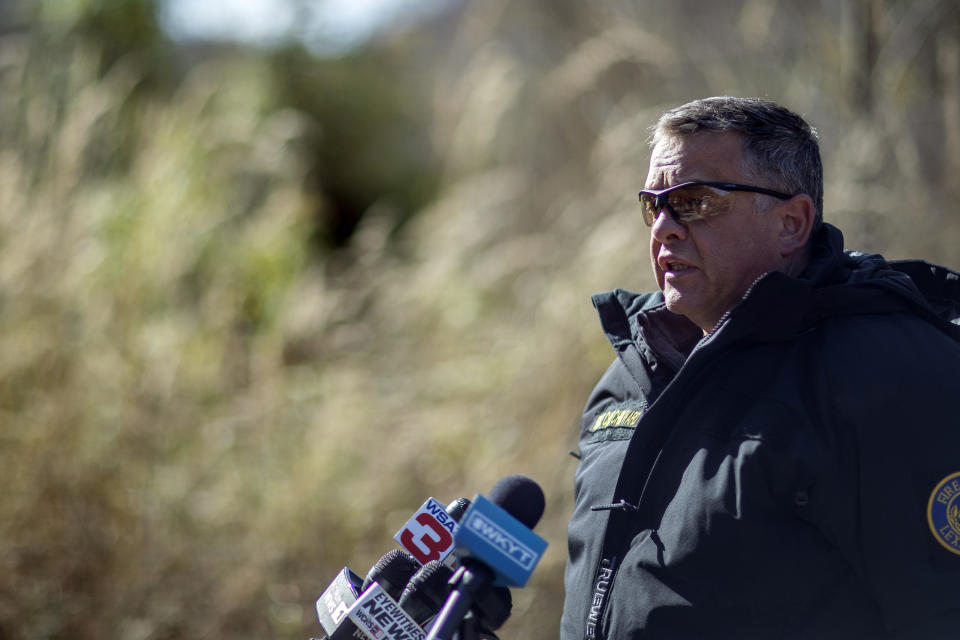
pixel 203 420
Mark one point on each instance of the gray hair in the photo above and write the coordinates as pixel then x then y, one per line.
pixel 778 145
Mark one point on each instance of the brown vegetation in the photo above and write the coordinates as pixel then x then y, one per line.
pixel 206 410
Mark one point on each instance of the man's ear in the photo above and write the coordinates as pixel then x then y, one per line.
pixel 796 223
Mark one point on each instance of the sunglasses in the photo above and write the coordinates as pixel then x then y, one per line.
pixel 692 201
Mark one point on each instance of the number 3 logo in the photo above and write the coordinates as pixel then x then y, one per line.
pixel 421 544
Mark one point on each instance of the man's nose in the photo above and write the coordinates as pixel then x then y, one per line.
pixel 666 227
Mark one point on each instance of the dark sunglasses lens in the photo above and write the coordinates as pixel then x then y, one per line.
pixel 698 201
pixel 686 204
pixel 648 208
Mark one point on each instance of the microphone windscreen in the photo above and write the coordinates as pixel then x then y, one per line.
pixel 457 508
pixel 521 497
pixel 391 572
pixel 427 590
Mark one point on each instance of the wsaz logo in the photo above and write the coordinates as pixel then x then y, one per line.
pixel 428 535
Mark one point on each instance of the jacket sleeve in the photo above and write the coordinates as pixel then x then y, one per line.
pixel 894 387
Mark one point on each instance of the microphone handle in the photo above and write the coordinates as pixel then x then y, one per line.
pixel 466 582
pixel 471 629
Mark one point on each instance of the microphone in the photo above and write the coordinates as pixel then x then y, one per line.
pixel 336 600
pixel 389 574
pixel 496 531
pixel 495 546
pixel 427 590
pixel 392 571
pixel 424 594
pixel 520 497
pixel 457 508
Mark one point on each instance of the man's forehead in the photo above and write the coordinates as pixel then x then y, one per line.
pixel 704 155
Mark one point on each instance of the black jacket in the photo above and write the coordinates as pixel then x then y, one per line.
pixel 772 479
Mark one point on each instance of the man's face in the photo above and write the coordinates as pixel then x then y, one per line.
pixel 705 267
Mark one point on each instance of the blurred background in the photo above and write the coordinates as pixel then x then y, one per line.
pixel 272 273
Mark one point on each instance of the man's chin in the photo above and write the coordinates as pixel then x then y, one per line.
pixel 675 301
pixel 673 296
pixel 682 305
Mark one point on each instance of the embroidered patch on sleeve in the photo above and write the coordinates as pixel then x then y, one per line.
pixel 943 512
pixel 616 424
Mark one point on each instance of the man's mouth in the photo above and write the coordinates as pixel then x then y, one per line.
pixel 669 265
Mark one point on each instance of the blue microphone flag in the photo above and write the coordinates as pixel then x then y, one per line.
pixel 490 534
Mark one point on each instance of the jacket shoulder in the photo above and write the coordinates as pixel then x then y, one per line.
pixel 939 285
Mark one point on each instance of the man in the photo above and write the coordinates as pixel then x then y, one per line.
pixel 775 451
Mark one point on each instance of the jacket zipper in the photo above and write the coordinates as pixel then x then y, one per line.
pixel 609 567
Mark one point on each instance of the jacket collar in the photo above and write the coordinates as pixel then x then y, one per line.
pixel 779 307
